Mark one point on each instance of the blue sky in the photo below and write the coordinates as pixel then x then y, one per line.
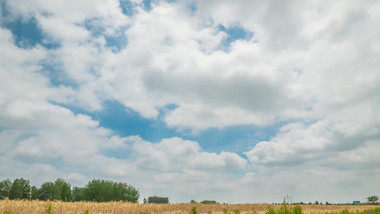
pixel 125 121
pixel 227 97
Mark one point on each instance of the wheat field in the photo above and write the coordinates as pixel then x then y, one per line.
pixel 58 207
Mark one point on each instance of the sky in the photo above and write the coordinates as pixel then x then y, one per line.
pixel 234 101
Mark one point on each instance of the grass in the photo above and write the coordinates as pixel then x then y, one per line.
pixel 58 207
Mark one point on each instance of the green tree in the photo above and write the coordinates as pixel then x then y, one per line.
pixel 62 190
pixel 5 188
pixel 20 189
pixel 79 194
pixel 103 190
pixel 130 193
pixel 373 199
pixel 99 190
pixel 33 193
pixel 46 191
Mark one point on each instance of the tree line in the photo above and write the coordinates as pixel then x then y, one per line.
pixel 96 190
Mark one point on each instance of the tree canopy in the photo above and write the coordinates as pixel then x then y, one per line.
pixel 95 190
pixel 373 199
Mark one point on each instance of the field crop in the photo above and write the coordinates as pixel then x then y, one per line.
pixel 58 207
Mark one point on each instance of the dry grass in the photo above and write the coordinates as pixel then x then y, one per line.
pixel 40 207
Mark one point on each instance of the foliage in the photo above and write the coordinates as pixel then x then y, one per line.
pixel 95 190
pixel 193 210
pixel 49 209
pixel 297 209
pixel 372 211
pixel 5 188
pixel 78 194
pixel 286 208
pixel 158 200
pixel 62 190
pixel 20 189
pixel 208 202
pixel 59 190
pixel 103 191
pixel 46 192
pixel 373 199
pixel 34 193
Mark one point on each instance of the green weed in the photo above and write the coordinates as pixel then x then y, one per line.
pixel 49 209
pixel 193 210
pixel 236 211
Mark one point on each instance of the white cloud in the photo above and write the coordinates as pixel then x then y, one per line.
pixel 312 63
pixel 177 154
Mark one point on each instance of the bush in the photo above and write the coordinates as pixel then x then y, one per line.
pixel 297 210
pixel 193 210
pixel 372 211
pixel 285 209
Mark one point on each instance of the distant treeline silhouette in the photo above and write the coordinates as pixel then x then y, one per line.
pixel 96 190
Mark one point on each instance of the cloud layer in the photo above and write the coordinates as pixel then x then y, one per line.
pixel 310 67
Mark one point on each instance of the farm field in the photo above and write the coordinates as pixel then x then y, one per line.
pixel 40 207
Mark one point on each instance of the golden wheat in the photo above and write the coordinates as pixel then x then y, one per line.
pixel 40 207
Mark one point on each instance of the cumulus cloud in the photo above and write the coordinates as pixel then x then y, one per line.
pixel 310 67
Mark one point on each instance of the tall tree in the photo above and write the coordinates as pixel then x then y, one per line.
pixel 5 188
pixel 102 190
pixel 79 194
pixel 33 193
pixel 125 192
pixel 20 189
pixel 62 190
pixel 46 191
pixel 373 199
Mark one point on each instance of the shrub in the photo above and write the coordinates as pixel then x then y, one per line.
pixel 271 211
pixel 193 210
pixel 344 212
pixel 297 209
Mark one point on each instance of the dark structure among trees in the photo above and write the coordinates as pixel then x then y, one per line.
pixel 95 190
